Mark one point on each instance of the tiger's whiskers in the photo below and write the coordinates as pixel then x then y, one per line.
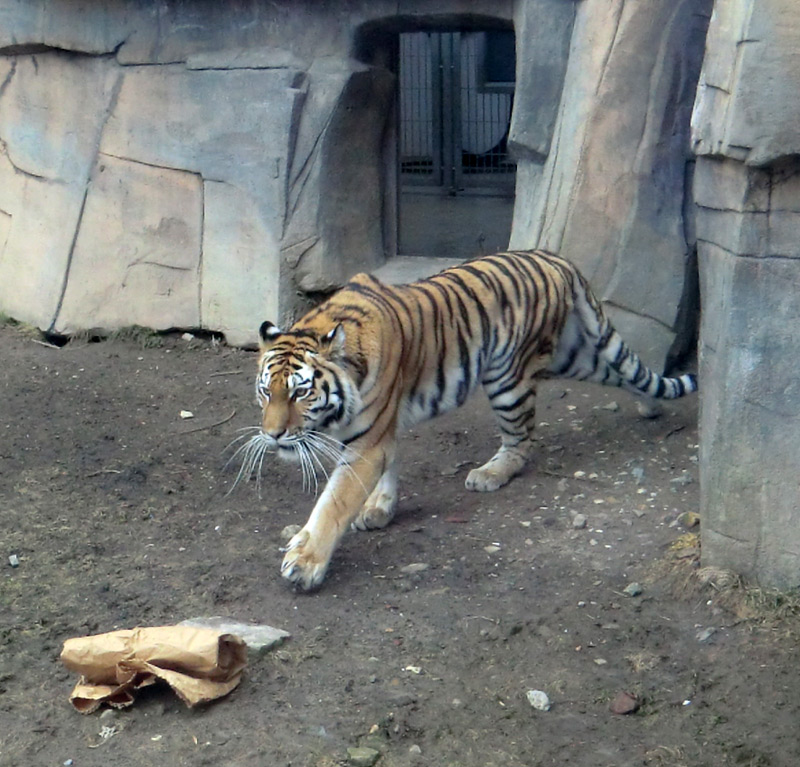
pixel 312 450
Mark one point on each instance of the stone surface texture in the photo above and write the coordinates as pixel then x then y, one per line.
pixel 747 188
pixel 198 165
pixel 611 192
pixel 259 637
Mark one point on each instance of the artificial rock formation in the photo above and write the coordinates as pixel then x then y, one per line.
pixel 746 131
pixel 206 166
pixel 611 190
pixel 174 166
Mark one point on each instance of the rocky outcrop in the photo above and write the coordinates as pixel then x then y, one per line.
pixel 746 135
pixel 48 148
pixel 183 170
pixel 610 189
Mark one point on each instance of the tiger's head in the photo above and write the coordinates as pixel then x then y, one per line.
pixel 306 393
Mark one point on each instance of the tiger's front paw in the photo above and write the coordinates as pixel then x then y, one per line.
pixel 303 564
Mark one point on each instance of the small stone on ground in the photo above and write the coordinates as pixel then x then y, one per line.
pixel 538 699
pixel 414 567
pixel 579 521
pixel 359 756
pixel 289 532
pixel 258 637
pixel 633 589
pixel 624 703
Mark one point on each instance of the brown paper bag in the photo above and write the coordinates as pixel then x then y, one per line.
pixel 199 664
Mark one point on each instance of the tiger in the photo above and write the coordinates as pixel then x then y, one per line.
pixel 343 381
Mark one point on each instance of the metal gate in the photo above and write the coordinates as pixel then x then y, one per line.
pixel 456 95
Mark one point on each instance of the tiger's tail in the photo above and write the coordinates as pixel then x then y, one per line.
pixel 590 349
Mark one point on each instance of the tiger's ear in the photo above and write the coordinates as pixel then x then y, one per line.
pixel 332 343
pixel 267 333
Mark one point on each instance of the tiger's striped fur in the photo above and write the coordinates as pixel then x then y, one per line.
pixel 375 358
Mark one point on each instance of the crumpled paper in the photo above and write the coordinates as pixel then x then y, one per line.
pixel 199 664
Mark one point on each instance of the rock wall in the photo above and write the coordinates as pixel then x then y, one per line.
pixel 176 165
pixel 208 165
pixel 746 132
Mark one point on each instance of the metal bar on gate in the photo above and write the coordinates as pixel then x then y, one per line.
pixel 457 144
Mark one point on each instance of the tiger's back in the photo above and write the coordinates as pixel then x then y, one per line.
pixel 396 355
pixel 510 317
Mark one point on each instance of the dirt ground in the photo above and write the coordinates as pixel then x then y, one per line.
pixel 116 508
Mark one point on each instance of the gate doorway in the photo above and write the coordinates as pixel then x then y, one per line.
pixel 456 179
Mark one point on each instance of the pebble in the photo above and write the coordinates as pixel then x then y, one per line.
pixel 415 750
pixel 706 634
pixel 624 703
pixel 538 699
pixel 13 560
pixel 612 406
pixel 689 519
pixel 360 756
pixel 650 410
pixel 491 549
pixel 683 480
pixel 414 567
pixel 638 474
pixel 579 521
pixel 289 532
pixel 187 414
pixel 633 589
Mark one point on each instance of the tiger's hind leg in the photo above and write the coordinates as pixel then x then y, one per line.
pixel 378 510
pixel 514 406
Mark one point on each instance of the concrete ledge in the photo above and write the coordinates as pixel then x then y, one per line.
pixel 403 269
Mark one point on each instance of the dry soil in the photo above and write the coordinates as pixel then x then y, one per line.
pixel 118 513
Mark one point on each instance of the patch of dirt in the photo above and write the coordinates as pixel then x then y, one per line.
pixel 117 510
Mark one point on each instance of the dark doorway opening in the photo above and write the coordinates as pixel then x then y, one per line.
pixel 456 179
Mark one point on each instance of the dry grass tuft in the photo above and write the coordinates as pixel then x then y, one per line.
pixel 761 607
pixel 642 660
pixel 145 337
pixel 23 328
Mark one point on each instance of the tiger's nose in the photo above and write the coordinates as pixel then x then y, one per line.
pixel 275 433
